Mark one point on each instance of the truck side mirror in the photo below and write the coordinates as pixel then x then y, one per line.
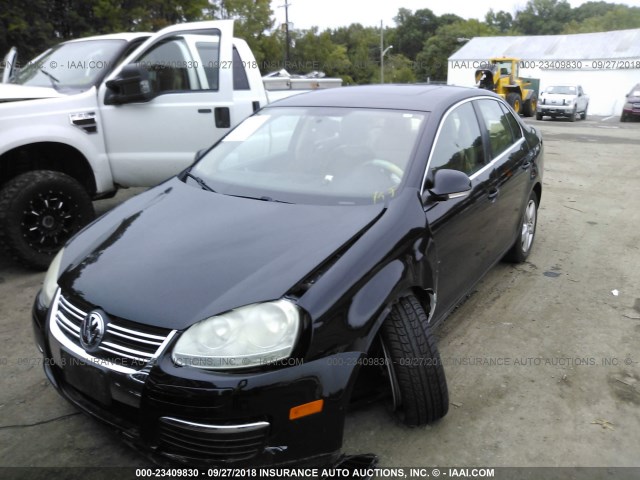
pixel 131 85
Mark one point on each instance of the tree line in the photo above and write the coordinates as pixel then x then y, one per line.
pixel 422 41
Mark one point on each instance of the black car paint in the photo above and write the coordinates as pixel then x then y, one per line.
pixel 190 268
pixel 155 258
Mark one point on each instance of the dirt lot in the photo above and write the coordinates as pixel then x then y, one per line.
pixel 542 360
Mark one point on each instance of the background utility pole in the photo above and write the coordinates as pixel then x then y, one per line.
pixel 286 30
pixel 383 51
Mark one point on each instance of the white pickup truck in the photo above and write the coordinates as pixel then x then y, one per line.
pixel 91 115
pixel 567 101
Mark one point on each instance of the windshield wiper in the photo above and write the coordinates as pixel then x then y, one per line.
pixel 52 79
pixel 199 181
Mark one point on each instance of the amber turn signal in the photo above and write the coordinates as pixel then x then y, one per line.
pixel 306 409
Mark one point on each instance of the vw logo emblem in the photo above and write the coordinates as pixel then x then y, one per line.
pixel 92 330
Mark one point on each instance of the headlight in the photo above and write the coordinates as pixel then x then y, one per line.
pixel 50 283
pixel 248 336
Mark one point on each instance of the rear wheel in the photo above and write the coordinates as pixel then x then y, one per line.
pixel 39 212
pixel 522 246
pixel 415 369
pixel 515 100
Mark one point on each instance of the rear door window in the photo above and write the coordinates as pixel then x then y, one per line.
pixel 499 128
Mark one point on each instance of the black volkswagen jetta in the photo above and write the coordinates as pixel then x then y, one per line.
pixel 225 315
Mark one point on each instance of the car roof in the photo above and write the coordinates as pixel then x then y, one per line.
pixel 425 98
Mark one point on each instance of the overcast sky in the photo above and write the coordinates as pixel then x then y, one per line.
pixel 336 13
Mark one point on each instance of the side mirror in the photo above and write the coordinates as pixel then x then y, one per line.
pixel 449 184
pixel 130 86
pixel 200 153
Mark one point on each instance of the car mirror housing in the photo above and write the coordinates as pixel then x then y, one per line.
pixel 131 85
pixel 449 184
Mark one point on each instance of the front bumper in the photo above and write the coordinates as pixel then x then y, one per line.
pixel 556 110
pixel 631 112
pixel 208 418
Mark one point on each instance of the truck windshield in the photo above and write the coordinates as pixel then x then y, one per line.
pixel 314 155
pixel 74 65
pixel 562 90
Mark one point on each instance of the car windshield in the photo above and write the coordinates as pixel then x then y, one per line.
pixel 74 65
pixel 562 90
pixel 314 155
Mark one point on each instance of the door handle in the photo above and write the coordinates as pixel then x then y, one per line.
pixel 493 193
pixel 204 110
pixel 526 164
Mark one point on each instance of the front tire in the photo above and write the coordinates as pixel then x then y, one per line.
pixel 538 116
pixel 522 247
pixel 39 211
pixel 515 100
pixel 415 368
pixel 530 105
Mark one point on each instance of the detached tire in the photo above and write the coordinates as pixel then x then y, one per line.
pixel 522 246
pixel 415 368
pixel 39 212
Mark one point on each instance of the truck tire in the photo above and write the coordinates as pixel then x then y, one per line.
pixel 572 118
pixel 515 100
pixel 39 212
pixel 415 369
pixel 530 105
pixel 538 116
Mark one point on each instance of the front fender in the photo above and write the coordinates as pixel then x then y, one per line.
pixel 31 122
pixel 349 302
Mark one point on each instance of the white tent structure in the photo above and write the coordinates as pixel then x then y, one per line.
pixel 606 64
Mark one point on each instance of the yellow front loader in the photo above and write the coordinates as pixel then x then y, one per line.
pixel 501 75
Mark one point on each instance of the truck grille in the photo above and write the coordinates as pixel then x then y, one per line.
pixel 124 343
pixel 212 443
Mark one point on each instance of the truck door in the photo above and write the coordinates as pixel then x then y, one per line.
pixel 190 77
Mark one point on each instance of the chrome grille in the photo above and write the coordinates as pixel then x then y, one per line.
pixel 126 343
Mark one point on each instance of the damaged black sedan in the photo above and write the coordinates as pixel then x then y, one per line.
pixel 227 316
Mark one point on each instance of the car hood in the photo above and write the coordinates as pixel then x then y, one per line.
pixel 177 254
pixel 11 93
